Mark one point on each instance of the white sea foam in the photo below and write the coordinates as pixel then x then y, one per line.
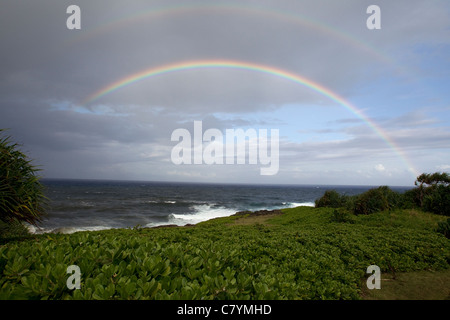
pixel 203 212
pixel 206 212
pixel 65 230
pixel 299 204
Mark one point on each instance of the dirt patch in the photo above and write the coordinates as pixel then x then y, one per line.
pixel 255 217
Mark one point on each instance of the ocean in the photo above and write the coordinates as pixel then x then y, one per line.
pixel 79 205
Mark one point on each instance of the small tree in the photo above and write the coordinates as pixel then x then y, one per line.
pixel 427 182
pixel 21 193
pixel 433 192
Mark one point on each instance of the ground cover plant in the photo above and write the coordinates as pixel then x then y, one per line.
pixel 302 253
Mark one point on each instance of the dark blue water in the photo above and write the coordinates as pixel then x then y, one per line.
pixel 95 205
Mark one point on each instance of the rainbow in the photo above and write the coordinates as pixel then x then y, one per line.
pixel 230 64
pixel 172 11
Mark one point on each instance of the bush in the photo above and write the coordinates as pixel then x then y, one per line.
pixel 437 200
pixel 444 228
pixel 375 200
pixel 21 194
pixel 432 194
pixel 410 199
pixel 331 198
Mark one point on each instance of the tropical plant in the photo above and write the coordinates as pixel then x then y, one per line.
pixel 21 193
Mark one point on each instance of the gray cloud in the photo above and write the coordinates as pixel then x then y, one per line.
pixel 48 71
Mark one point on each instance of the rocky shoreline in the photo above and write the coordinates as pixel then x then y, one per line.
pixel 258 213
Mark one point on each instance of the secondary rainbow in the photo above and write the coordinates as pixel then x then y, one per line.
pixel 171 12
pixel 230 64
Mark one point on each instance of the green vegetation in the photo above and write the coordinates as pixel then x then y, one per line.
pixel 432 194
pixel 331 199
pixel 299 254
pixel 21 194
pixel 444 228
pixel 417 285
pixel 13 230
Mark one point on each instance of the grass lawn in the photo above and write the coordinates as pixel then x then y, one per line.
pixel 416 285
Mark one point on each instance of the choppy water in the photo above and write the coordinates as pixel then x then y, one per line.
pixel 95 205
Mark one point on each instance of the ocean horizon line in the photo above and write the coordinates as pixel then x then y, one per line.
pixel 249 184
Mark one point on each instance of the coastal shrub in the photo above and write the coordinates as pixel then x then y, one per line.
pixel 438 200
pixel 410 199
pixel 444 228
pixel 374 200
pixel 331 199
pixel 432 194
pixel 21 193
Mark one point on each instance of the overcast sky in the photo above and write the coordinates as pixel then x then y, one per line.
pixel 397 78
